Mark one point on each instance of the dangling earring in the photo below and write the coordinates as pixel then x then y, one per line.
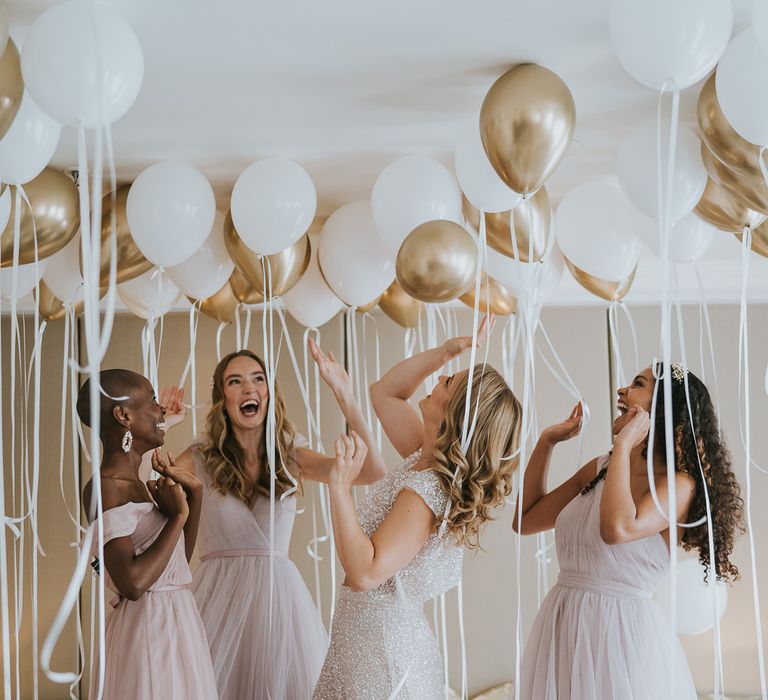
pixel 127 440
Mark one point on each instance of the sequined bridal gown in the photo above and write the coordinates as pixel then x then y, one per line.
pixel 599 635
pixel 381 642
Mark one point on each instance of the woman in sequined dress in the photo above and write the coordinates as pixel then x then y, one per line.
pixel 405 544
pixel 599 634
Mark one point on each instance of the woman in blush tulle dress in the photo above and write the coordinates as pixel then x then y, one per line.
pixel 155 642
pixel 266 636
pixel 599 634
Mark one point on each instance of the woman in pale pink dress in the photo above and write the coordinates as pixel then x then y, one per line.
pixel 266 636
pixel 155 641
pixel 599 634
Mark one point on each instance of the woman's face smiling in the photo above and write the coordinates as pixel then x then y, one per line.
pixel 638 393
pixel 246 394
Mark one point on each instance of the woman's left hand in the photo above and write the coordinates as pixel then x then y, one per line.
pixel 636 429
pixel 170 400
pixel 350 455
pixel 333 374
pixel 188 481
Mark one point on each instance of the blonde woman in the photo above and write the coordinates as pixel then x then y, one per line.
pixel 405 545
pixel 266 641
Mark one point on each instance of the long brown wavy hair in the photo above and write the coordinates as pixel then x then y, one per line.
pixel 479 481
pixel 223 456
pixel 726 504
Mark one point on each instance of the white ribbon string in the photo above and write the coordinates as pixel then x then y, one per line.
pixel 5 631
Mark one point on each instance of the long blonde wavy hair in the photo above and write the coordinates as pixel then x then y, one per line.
pixel 479 481
pixel 223 456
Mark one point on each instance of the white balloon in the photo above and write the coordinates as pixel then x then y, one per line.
pixel 311 301
pixel 149 295
pixel 540 279
pixel 477 178
pixel 63 276
pixel 410 191
pixel 273 204
pixel 27 277
pixel 740 84
pixel 82 63
pixel 695 605
pixel 171 208
pixel 4 22
pixel 638 174
pixel 206 272
pixel 29 144
pixel 355 262
pixel 657 41
pixel 760 24
pixel 689 239
pixel 5 207
pixel 594 231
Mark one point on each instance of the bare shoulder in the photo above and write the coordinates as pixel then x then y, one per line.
pixel 111 495
pixel 186 460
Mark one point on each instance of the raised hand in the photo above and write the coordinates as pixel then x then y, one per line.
pixel 635 431
pixel 188 481
pixel 169 497
pixel 170 400
pixel 457 346
pixel 350 455
pixel 566 429
pixel 332 372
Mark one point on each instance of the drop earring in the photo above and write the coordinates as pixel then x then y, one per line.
pixel 127 440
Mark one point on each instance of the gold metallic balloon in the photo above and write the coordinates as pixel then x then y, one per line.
pixel 720 208
pixel 759 239
pixel 494 297
pixel 526 125
pixel 287 266
pixel 370 306
pixel 56 213
pixel 11 86
pixel 220 306
pixel 243 290
pixel 722 139
pixel 605 289
pixel 130 261
pixel 400 307
pixel 748 190
pixel 437 261
pixel 533 222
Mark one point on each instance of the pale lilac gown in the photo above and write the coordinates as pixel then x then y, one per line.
pixel 599 635
pixel 255 656
pixel 155 646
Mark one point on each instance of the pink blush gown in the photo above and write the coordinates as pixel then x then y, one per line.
pixel 155 646
pixel 254 659
pixel 599 634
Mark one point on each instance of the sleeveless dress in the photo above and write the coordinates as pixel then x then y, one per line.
pixel 255 656
pixel 599 634
pixel 155 646
pixel 381 642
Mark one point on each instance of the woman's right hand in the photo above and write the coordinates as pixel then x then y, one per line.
pixel 170 497
pixel 456 346
pixel 171 401
pixel 567 429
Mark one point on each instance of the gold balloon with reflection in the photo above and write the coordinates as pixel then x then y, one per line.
pixel 533 224
pixel 526 125
pixel 605 289
pixel 437 261
pixel 495 298
pixel 220 306
pixel 54 218
pixel 750 191
pixel 718 207
pixel 401 308
pixel 286 267
pixel 243 290
pixel 370 306
pixel 721 138
pixel 11 86
pixel 50 307
pixel 130 261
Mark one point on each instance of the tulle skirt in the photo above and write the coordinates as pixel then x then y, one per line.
pixel 588 644
pixel 257 655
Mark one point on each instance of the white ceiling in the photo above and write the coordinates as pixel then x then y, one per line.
pixel 346 86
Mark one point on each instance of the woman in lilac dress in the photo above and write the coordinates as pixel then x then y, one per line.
pixel 599 634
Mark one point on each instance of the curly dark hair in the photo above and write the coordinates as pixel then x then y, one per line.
pixel 726 504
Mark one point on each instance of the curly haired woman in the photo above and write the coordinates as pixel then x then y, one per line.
pixel 265 634
pixel 599 634
pixel 405 544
